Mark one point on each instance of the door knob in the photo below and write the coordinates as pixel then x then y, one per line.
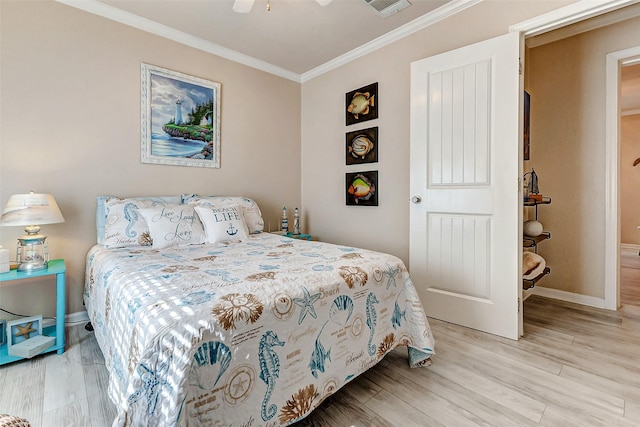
pixel 416 199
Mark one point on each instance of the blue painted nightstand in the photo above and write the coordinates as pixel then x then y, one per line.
pixel 58 268
pixel 300 236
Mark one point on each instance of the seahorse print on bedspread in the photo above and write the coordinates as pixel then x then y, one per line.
pixel 372 320
pixel 131 215
pixel 269 370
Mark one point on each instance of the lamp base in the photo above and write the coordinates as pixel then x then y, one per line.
pixel 32 252
pixel 32 265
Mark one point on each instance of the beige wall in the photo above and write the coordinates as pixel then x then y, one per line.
pixel 566 80
pixel 629 179
pixel 70 126
pixel 385 227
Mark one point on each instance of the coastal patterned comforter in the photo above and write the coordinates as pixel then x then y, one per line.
pixel 249 333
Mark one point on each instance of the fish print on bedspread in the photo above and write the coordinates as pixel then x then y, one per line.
pixel 339 313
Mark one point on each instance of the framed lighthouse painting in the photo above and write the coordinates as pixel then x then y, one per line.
pixel 180 119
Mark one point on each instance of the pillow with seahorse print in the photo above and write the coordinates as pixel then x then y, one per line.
pixel 125 226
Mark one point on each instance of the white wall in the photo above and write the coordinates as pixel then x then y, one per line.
pixel 70 126
pixel 385 227
pixel 566 80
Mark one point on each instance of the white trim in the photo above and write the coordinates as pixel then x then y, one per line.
pixel 75 318
pixel 614 61
pixel 610 18
pixel 132 20
pixel 69 320
pixel 127 18
pixel 441 13
pixel 633 246
pixel 568 296
pixel 568 15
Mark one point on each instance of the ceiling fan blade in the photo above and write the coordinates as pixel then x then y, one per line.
pixel 323 2
pixel 243 6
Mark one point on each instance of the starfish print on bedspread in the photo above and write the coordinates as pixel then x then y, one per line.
pixel 307 304
pixel 152 381
pixel 391 274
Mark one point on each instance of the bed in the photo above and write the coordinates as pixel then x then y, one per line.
pixel 257 329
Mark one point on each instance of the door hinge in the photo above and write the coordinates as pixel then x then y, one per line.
pixel 520 66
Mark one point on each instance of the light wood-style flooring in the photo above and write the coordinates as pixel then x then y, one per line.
pixel 575 366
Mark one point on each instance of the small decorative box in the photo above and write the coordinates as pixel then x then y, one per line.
pixel 32 346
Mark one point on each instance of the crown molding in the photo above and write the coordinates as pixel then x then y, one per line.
pixel 439 14
pixel 98 8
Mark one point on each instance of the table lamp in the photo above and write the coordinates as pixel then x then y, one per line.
pixel 31 210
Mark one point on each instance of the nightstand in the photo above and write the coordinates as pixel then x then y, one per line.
pixel 58 268
pixel 300 236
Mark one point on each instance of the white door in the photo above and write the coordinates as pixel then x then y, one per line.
pixel 465 244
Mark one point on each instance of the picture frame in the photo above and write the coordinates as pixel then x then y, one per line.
pixel 361 104
pixel 3 331
pixel 361 188
pixel 20 330
pixel 361 146
pixel 180 118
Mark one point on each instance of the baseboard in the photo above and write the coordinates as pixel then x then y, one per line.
pixel 568 296
pixel 69 320
pixel 630 246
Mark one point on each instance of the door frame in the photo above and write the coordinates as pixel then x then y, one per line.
pixel 576 12
pixel 615 61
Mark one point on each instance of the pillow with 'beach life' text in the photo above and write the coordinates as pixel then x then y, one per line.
pixel 222 224
pixel 173 226
pixel 250 210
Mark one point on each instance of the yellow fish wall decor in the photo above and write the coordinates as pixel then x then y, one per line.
pixel 362 104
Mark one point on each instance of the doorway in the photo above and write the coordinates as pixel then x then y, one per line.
pixel 629 107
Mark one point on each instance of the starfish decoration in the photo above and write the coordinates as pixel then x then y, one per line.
pixel 151 382
pixel 307 305
pixel 239 386
pixel 391 276
pixel 25 330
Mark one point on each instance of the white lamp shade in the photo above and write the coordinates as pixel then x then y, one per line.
pixel 323 2
pixel 31 209
pixel 243 6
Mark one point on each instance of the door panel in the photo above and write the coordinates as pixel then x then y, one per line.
pixel 465 246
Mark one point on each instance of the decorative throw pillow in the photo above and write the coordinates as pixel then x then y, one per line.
pixel 173 226
pixel 101 210
pixel 124 225
pixel 250 210
pixel 222 224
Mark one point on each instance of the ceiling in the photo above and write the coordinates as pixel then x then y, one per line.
pixel 293 38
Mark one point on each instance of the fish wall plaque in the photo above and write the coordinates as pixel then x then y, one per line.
pixel 362 104
pixel 361 146
pixel 362 188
